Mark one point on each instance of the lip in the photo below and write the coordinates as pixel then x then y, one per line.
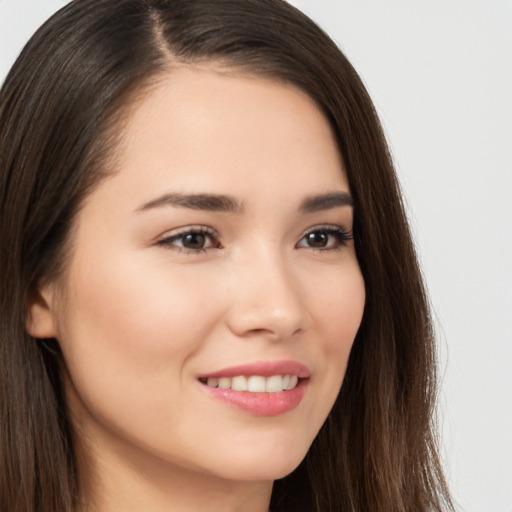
pixel 262 368
pixel 261 404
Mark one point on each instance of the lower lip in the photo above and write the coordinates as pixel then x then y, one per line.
pixel 261 404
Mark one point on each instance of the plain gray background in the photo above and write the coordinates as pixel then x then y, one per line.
pixel 440 73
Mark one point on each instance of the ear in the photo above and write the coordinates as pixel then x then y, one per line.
pixel 41 318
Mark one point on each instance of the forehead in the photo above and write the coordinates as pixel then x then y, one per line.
pixel 200 129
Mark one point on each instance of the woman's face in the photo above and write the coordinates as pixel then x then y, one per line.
pixel 220 255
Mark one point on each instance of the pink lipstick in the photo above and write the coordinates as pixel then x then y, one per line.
pixel 263 388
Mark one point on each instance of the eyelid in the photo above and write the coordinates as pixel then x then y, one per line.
pixel 327 227
pixel 168 237
pixel 342 234
pixel 192 228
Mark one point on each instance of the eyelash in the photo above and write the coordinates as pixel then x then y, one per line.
pixel 169 241
pixel 342 238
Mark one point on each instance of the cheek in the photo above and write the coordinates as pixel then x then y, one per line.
pixel 127 333
pixel 339 311
pixel 141 309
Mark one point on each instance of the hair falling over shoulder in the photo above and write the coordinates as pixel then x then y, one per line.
pixel 60 109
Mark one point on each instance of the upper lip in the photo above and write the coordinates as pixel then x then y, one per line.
pixel 262 368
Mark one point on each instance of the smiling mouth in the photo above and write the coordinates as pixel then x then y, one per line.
pixel 253 383
pixel 260 388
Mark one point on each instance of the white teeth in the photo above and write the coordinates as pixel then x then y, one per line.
pixel 274 384
pixel 239 383
pixel 293 382
pixel 213 382
pixel 224 383
pixel 255 383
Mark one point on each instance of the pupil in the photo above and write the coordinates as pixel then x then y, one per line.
pixel 194 241
pixel 318 239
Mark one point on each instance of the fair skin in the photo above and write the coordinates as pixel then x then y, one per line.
pixel 164 289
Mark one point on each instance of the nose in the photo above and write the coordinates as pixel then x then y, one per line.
pixel 266 299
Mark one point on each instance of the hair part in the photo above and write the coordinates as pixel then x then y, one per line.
pixel 63 107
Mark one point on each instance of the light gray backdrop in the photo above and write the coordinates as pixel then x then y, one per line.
pixel 440 73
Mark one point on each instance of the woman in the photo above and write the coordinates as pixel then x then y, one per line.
pixel 202 239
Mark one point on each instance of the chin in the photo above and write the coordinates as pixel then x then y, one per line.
pixel 264 466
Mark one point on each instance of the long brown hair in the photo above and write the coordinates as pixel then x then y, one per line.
pixel 61 108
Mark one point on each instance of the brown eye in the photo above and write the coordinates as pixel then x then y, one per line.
pixel 325 238
pixel 317 239
pixel 194 241
pixel 191 241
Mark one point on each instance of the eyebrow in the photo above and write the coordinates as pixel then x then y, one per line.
pixel 208 202
pixel 326 202
pixel 227 204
